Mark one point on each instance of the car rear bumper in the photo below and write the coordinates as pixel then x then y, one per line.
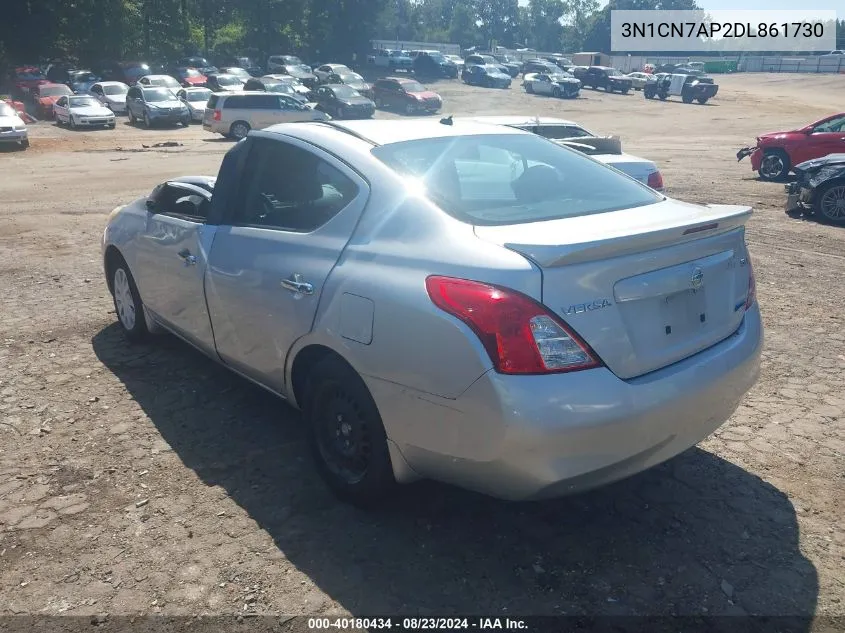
pixel 13 136
pixel 530 437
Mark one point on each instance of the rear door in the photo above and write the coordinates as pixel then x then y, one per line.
pixel 827 137
pixel 285 229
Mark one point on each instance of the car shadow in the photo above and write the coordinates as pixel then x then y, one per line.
pixel 693 536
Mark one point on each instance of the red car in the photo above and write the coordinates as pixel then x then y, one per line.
pixel 189 77
pixel 776 153
pixel 25 78
pixel 406 94
pixel 45 96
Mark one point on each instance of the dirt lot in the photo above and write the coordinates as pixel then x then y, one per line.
pixel 150 480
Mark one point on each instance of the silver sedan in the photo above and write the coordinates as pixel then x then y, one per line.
pixel 450 300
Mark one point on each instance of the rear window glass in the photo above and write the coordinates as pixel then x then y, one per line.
pixel 212 101
pixel 511 179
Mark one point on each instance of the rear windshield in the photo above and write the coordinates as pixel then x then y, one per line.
pixel 212 101
pixel 115 89
pixel 54 91
pixel 511 179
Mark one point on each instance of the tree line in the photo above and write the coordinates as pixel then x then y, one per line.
pixel 320 30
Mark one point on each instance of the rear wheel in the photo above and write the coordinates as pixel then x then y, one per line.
pixel 830 203
pixel 239 130
pixel 347 436
pixel 556 92
pixel 409 108
pixel 625 91
pixel 687 98
pixel 702 100
pixel 529 88
pixel 775 165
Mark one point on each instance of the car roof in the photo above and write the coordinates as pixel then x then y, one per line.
pixel 162 76
pixel 517 119
pixel 385 132
pixel 194 88
pixel 111 83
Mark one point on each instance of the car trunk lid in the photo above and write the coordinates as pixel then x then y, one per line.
pixel 644 287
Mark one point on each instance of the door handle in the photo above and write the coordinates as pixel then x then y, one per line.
pixel 190 260
pixel 297 285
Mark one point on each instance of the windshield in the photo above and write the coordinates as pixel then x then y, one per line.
pixel 201 62
pixel 164 81
pixel 438 57
pixel 299 69
pixel 115 89
pixel 397 54
pixel 81 77
pixel 238 72
pixel 228 80
pixel 136 71
pixel 158 94
pixel 352 80
pixel 614 73
pixel 345 92
pixel 511 179
pixel 198 95
pixel 7 110
pixel 558 76
pixel 412 86
pixel 492 70
pixel 82 102
pixel 54 91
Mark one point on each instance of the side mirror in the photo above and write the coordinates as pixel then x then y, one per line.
pixel 151 205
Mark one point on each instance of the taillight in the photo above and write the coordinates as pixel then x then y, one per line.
pixel 218 115
pixel 519 334
pixel 752 286
pixel 655 180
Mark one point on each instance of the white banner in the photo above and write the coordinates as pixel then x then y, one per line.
pixel 723 31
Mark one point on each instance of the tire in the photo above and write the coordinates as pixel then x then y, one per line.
pixel 529 88
pixel 25 144
pixel 379 103
pixel 829 204
pixel 556 92
pixel 238 130
pixel 71 123
pixel 409 108
pixel 702 100
pixel 148 123
pixel 625 91
pixel 186 122
pixel 347 437
pixel 687 98
pixel 774 166
pixel 662 96
pixel 128 306
pixel 131 117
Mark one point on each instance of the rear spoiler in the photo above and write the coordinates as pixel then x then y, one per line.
pixel 594 144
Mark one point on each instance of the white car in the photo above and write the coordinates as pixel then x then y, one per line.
pixel 298 87
pixel 12 127
pixel 322 72
pixel 577 137
pixel 195 99
pixel 111 94
pixel 82 111
pixel 560 84
pixel 638 79
pixel 165 81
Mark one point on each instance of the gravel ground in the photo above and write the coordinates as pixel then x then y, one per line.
pixel 148 480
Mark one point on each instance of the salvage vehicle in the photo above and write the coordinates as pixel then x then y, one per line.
pixel 638 79
pixel 819 189
pixel 407 95
pixel 450 300
pixel 607 150
pixel 195 99
pixel 301 72
pixel 78 111
pixel 155 104
pixel 25 78
pixel 45 96
pixel 392 60
pixel 343 102
pixel 277 63
pixel 608 78
pixel 432 63
pixel 224 83
pixel 511 64
pixel 560 84
pixel 12 127
pixel 532 66
pixel 776 152
pixel 487 76
pixel 484 59
pixel 111 94
pixel 354 81
pixel 689 87
pixel 234 114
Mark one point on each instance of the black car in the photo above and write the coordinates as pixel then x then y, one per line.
pixel 224 83
pixel 539 66
pixel 695 87
pixel 243 62
pixel 819 189
pixel 354 81
pixel 271 85
pixel 200 63
pixel 512 65
pixel 343 102
pixel 126 72
pixel 434 64
pixel 483 59
pixel 608 78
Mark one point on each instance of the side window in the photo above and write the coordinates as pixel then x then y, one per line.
pixel 834 125
pixel 178 202
pixel 286 103
pixel 290 189
pixel 62 102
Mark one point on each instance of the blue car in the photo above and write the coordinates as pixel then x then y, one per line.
pixel 487 76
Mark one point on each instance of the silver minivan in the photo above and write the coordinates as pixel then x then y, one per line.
pixel 234 115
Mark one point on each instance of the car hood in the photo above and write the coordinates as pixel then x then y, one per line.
pixel 357 101
pixel 11 121
pixel 173 103
pixel 498 75
pixel 301 74
pixel 426 94
pixel 116 98
pixel 824 161
pixel 567 81
pixel 92 111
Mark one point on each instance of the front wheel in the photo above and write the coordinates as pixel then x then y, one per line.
pixel 347 437
pixel 148 122
pixel 775 165
pixel 625 91
pixel 72 122
pixel 830 203
pixel 239 130
pixel 127 303
pixel 409 108
pixel 529 88
pixel 687 98
pixel 556 92
pixel 702 100
pixel 131 117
